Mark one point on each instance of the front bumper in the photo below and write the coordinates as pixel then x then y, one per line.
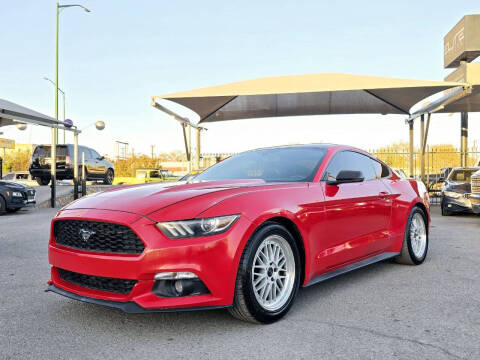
pixel 462 204
pixel 213 259
pixel 27 199
pixel 475 201
pixel 126 306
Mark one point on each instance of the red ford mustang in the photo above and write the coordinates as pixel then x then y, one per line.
pixel 244 235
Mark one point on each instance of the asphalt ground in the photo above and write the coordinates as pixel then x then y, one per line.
pixel 384 311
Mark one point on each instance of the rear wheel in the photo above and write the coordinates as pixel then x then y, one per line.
pixel 268 276
pixel 42 181
pixel 13 210
pixel 108 180
pixel 3 206
pixel 415 240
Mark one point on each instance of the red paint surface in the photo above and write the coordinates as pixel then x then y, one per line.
pixel 339 225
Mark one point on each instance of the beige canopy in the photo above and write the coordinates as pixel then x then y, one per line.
pixel 310 94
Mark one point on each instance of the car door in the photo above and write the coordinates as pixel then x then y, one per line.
pixel 100 166
pixel 89 162
pixel 357 215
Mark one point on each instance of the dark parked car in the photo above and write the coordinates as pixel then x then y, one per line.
pixel 96 166
pixel 14 196
pixel 457 190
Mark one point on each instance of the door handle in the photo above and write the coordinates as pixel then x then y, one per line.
pixel 383 195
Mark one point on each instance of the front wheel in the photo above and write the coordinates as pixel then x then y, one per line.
pixel 108 180
pixel 415 240
pixel 268 276
pixel 3 206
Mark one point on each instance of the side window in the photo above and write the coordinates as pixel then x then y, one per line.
pixel 377 167
pixel 9 177
pixel 82 149
pixel 94 154
pixel 349 160
pixel 381 171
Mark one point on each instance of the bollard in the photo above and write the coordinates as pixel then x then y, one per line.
pixel 84 181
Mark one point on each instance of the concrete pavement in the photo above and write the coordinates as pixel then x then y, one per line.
pixel 384 311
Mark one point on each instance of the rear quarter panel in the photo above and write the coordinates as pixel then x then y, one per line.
pixel 406 193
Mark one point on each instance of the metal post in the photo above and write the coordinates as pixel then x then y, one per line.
pixel 84 182
pixel 63 93
pixel 410 128
pixel 422 151
pixel 53 167
pixel 75 165
pixel 56 73
pixel 464 139
pixel 189 142
pixel 198 148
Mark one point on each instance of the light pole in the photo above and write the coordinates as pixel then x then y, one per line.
pixel 63 93
pixel 59 7
pixel 53 167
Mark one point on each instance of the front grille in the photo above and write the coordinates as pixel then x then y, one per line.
pixel 121 286
pixel 97 236
pixel 475 186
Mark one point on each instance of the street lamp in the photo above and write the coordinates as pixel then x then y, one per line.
pixel 53 167
pixel 63 93
pixel 59 7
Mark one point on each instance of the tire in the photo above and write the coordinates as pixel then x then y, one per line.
pixel 13 210
pixel 445 212
pixel 3 206
pixel 108 180
pixel 248 303
pixel 42 181
pixel 415 244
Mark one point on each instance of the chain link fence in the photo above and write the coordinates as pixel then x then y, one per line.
pixel 437 163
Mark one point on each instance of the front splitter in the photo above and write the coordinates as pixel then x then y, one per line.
pixel 126 306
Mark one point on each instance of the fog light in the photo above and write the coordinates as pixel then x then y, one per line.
pixel 179 287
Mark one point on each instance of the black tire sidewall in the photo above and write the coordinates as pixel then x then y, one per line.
pixel 261 314
pixel 416 260
pixel 3 206
pixel 107 180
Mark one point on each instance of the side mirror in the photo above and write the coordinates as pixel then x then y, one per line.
pixel 441 179
pixel 346 176
pixel 101 158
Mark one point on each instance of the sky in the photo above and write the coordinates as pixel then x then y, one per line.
pixel 113 59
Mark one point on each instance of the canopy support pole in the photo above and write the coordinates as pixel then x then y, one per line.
pixel 198 149
pixel 410 128
pixel 422 153
pixel 464 139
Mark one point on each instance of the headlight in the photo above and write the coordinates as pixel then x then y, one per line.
pixel 452 194
pixel 197 227
pixel 16 194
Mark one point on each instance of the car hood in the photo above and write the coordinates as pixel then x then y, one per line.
pixel 460 187
pixel 145 199
pixel 12 185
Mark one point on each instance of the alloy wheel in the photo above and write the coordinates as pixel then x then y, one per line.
pixel 273 273
pixel 418 235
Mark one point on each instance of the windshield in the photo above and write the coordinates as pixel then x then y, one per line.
pixel 463 175
pixel 271 165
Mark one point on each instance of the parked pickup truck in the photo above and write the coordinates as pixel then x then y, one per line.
pixel 475 195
